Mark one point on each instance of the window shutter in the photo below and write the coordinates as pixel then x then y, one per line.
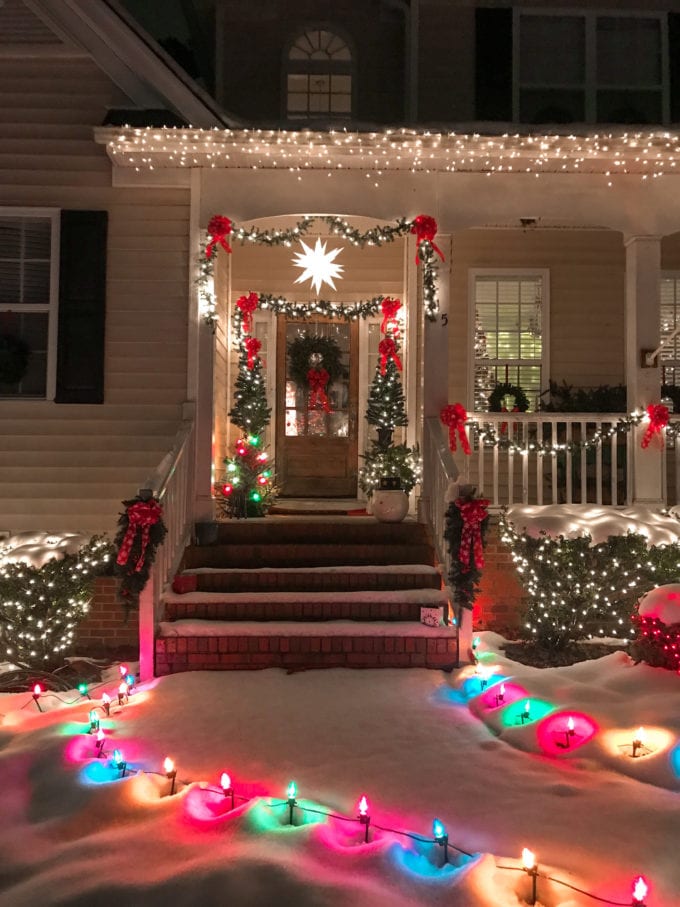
pixel 82 304
pixel 674 64
pixel 493 64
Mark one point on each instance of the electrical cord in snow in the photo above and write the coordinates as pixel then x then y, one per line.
pixel 587 894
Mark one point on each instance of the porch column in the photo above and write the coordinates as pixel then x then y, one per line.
pixel 203 503
pixel 642 322
pixel 436 343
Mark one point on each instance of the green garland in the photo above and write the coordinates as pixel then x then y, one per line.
pixel 505 390
pixel 464 582
pixel 14 356
pixel 302 348
pixel 133 581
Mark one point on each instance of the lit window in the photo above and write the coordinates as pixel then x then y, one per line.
pixel 508 336
pixel 27 303
pixel 319 77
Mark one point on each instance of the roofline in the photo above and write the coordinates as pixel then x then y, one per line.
pixel 124 51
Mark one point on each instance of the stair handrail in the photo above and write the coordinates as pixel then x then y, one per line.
pixel 439 473
pixel 172 484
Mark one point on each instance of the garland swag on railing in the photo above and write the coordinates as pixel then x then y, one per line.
pixel 140 531
pixel 223 231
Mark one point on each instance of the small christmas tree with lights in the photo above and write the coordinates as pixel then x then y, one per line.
pixel 250 411
pixel 386 403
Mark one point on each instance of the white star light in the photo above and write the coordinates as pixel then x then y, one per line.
pixel 318 265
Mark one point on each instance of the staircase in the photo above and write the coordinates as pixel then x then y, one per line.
pixel 306 592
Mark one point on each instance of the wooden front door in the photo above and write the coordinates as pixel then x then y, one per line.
pixel 316 449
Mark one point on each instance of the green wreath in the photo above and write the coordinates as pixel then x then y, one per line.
pixel 14 356
pixel 303 348
pixel 505 390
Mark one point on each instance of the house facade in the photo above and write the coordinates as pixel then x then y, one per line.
pixel 552 188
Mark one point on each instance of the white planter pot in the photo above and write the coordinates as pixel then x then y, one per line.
pixel 389 506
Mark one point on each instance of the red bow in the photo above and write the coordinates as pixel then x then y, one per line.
pixel 218 228
pixel 454 416
pixel 253 347
pixel 504 425
pixel 247 305
pixel 389 307
pixel 317 380
pixel 388 350
pixel 658 420
pixel 425 228
pixel 141 515
pixel 473 514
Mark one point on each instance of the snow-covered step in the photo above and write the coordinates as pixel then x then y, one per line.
pixel 195 645
pixel 365 605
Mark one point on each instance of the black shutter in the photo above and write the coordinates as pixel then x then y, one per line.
pixel 674 64
pixel 493 64
pixel 82 303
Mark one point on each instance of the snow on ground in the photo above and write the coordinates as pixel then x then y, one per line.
pixel 419 744
pixel 572 520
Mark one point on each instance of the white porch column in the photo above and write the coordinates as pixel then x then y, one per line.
pixel 203 503
pixel 436 342
pixel 642 321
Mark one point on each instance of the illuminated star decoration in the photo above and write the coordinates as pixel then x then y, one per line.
pixel 318 265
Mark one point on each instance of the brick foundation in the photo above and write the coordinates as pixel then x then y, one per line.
pixel 501 600
pixel 106 628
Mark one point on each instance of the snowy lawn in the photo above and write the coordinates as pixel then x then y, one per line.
pixel 419 744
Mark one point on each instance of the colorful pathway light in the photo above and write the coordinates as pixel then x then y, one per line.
pixel 530 867
pixel 106 703
pixel 291 793
pixel 170 773
pixel 640 889
pixel 639 741
pixel 500 695
pixel 441 837
pixel 122 693
pixel 526 712
pixel 37 691
pixel 94 721
pixel 570 731
pixel 82 689
pixel 364 816
pixel 227 787
pixel 99 746
pixel 119 762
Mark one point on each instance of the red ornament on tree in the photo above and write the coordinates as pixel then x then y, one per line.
pixel 425 229
pixel 246 306
pixel 317 380
pixel 218 228
pixel 253 347
pixel 142 515
pixel 474 513
pixel 388 350
pixel 658 420
pixel 454 417
pixel 389 308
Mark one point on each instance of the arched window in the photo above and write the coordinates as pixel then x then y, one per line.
pixel 319 76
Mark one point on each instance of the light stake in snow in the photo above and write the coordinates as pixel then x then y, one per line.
pixel 530 867
pixel 639 740
pixel 100 743
pixel 475 646
pixel 37 690
pixel 292 802
pixel 170 773
pixel 130 681
pixel 122 669
pixel 500 695
pixel 570 731
pixel 82 689
pixel 94 721
pixel 227 788
pixel 640 889
pixel 364 817
pixel 441 838
pixel 122 693
pixel 483 674
pixel 526 714
pixel 106 703
pixel 119 762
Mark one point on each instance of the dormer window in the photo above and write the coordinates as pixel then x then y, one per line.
pixel 319 77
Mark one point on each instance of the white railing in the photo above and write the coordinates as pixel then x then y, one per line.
pixel 515 472
pixel 439 471
pixel 172 484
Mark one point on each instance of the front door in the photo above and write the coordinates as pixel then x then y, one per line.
pixel 316 437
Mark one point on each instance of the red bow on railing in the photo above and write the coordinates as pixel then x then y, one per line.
pixel 425 229
pixel 658 420
pixel 473 513
pixel 454 417
pixel 253 347
pixel 317 380
pixel 141 515
pixel 388 350
pixel 218 228
pixel 389 307
pixel 246 306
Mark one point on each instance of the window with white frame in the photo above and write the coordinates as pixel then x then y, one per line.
pixel 319 76
pixel 508 334
pixel 614 71
pixel 27 301
pixel 669 357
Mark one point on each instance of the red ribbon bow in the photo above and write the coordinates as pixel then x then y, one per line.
pixel 247 305
pixel 141 515
pixel 658 420
pixel 473 514
pixel 317 380
pixel 218 228
pixel 389 307
pixel 253 347
pixel 425 229
pixel 388 350
pixel 454 417
pixel 504 409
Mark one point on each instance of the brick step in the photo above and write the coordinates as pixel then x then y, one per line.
pixel 305 555
pixel 290 530
pixel 316 579
pixel 403 605
pixel 195 645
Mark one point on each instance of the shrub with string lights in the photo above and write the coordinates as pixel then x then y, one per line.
pixel 248 489
pixel 40 607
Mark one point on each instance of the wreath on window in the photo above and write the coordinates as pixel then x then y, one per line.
pixel 310 351
pixel 508 390
pixel 14 356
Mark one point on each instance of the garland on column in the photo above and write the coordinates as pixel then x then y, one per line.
pixel 467 519
pixel 140 531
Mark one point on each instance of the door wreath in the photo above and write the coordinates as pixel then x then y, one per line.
pixel 14 356
pixel 316 362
